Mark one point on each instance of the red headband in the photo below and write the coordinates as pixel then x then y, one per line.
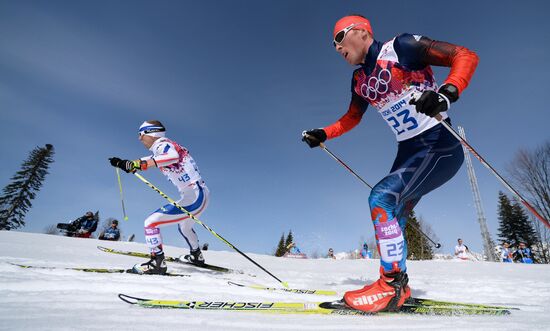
pixel 346 21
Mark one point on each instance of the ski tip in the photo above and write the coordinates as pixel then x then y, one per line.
pixel 233 283
pixel 285 284
pixel 130 299
pixel 125 218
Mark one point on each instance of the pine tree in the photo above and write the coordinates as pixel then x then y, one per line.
pixel 281 248
pixel 525 229
pixel 506 220
pixel 418 248
pixel 514 224
pixel 17 196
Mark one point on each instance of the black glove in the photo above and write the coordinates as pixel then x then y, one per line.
pixel 432 103
pixel 126 165
pixel 314 137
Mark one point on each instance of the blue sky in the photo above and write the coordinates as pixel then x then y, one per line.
pixel 236 82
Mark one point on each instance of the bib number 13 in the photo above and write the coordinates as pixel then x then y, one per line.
pixel 402 122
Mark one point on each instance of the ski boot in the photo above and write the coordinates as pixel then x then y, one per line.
pixel 195 257
pixel 155 266
pixel 388 293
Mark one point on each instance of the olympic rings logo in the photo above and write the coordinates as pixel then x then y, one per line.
pixel 376 85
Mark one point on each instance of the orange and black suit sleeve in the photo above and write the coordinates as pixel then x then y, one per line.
pixel 351 118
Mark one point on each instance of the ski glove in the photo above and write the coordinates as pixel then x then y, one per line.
pixel 127 165
pixel 432 103
pixel 314 137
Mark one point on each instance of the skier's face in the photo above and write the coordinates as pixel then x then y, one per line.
pixel 147 141
pixel 355 46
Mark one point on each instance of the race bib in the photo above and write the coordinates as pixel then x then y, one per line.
pixel 390 241
pixel 403 118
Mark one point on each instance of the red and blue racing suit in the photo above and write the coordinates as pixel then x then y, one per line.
pixel 428 155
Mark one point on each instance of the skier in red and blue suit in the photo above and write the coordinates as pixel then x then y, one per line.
pixel 395 77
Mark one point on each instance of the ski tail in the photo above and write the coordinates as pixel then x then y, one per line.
pixel 431 302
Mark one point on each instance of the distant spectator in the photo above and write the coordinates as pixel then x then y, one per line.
pixel 205 247
pixel 461 250
pixel 293 249
pixel 330 254
pixel 365 254
pixel 506 253
pixel 111 233
pixel 82 227
pixel 523 254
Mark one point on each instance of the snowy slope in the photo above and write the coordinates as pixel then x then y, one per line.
pixel 40 299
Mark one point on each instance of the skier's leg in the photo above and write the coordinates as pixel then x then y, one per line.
pixel 165 215
pixel 195 202
pixel 422 164
pixel 168 214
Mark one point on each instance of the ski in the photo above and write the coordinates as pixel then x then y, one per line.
pixel 167 259
pixel 98 270
pixel 283 289
pixel 416 301
pixel 322 308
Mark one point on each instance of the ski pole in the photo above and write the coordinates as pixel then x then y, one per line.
pixel 175 204
pixel 497 175
pixel 324 147
pixel 121 194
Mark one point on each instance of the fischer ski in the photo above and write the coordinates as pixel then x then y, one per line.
pixel 168 259
pixel 97 270
pixel 288 290
pixel 415 301
pixel 322 308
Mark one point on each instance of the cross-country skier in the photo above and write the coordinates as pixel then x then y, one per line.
pixel 396 78
pixel 175 162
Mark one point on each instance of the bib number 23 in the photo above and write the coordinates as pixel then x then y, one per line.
pixel 402 122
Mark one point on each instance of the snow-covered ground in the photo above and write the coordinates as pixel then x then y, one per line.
pixel 39 299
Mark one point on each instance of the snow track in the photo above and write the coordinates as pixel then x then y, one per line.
pixel 57 299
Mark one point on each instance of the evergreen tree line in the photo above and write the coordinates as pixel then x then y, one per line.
pixel 516 227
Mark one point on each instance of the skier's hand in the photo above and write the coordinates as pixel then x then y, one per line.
pixel 127 165
pixel 432 103
pixel 314 137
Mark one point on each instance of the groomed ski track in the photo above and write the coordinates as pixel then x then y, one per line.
pixel 44 299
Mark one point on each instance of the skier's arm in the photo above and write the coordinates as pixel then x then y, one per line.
pixel 351 118
pixel 165 155
pixel 417 52
pixel 462 61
